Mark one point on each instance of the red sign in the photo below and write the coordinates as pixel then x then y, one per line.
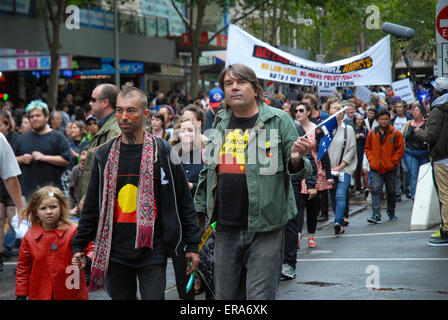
pixel 220 40
pixel 442 23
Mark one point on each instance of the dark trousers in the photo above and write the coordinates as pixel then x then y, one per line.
pixel 312 210
pixel 123 282
pixel 292 230
pixel 377 182
pixel 323 202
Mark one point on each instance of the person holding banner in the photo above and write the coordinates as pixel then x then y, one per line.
pixel 343 159
pixel 245 186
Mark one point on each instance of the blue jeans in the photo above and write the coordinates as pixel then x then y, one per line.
pixel 413 160
pixel 338 198
pixel 378 180
pixel 247 264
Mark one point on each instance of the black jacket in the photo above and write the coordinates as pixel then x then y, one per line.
pixel 176 207
pixel 436 132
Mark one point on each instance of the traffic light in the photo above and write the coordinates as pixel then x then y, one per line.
pixel 4 96
pixel 408 74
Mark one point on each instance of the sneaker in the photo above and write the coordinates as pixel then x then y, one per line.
pixel 374 219
pixel 312 243
pixel 393 218
pixel 288 272
pixel 438 242
pixel 436 234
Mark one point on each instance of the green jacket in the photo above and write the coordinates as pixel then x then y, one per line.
pixel 109 130
pixel 267 155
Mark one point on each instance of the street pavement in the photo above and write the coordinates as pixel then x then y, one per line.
pixel 368 262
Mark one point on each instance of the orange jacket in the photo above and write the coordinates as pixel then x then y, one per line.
pixel 42 271
pixel 384 155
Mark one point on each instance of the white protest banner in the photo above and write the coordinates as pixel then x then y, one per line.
pixel 403 89
pixel 325 92
pixel 363 93
pixel 372 67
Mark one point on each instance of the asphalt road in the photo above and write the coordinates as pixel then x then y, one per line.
pixel 368 262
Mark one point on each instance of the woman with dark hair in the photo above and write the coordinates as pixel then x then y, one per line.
pixel 415 151
pixel 168 113
pixel 195 111
pixel 157 127
pixel 361 135
pixel 302 113
pixel 78 132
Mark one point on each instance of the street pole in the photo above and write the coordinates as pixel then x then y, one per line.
pixel 412 77
pixel 116 46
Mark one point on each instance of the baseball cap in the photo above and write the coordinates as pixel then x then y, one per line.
pixel 440 84
pixel 91 116
pixel 216 95
pixel 395 99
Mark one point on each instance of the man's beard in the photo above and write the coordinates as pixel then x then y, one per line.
pixel 39 128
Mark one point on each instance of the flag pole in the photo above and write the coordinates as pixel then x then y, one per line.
pixel 328 119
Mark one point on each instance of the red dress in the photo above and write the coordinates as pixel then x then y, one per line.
pixel 42 272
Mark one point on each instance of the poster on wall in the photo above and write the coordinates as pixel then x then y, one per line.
pixel 372 67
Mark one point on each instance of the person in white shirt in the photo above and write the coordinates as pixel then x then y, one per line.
pixel 9 170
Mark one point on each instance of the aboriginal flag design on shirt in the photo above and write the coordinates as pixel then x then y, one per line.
pixel 125 210
pixel 233 196
pixel 232 153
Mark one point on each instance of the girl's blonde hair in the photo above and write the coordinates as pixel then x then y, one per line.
pixel 38 196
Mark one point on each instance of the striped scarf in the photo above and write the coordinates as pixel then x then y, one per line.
pixel 145 209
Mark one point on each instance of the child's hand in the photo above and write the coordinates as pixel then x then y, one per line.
pixel 79 260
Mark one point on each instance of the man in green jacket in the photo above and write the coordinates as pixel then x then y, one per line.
pixel 245 186
pixel 102 103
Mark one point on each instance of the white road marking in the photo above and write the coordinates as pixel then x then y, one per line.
pixel 372 259
pixel 321 252
pixel 373 234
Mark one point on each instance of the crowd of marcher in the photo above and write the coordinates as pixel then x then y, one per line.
pixel 136 179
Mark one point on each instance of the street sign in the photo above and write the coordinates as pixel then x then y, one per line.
pixel 442 37
pixel 442 23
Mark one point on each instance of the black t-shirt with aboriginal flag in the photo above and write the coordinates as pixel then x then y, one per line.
pixel 233 196
pixel 125 213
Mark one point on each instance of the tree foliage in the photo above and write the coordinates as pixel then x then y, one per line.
pixel 341 28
